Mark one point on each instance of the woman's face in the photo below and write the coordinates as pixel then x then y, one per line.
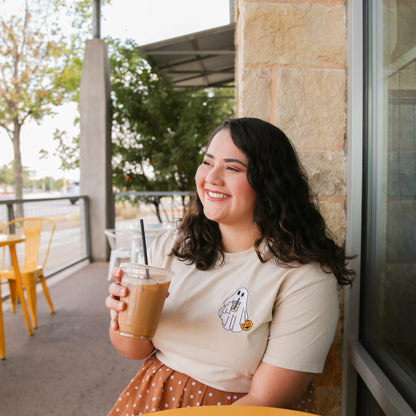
pixel 222 183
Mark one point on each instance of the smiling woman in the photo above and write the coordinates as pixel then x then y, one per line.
pixel 253 305
pixel 224 190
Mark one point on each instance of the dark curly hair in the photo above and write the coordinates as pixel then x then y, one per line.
pixel 287 218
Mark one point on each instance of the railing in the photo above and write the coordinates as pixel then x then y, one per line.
pixel 71 241
pixel 155 206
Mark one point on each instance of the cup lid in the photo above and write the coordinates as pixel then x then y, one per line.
pixel 142 271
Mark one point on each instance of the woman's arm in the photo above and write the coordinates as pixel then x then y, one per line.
pixel 134 349
pixel 302 330
pixel 275 387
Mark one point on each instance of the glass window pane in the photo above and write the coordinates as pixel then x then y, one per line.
pixel 388 326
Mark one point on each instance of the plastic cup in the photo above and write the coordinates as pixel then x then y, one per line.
pixel 148 288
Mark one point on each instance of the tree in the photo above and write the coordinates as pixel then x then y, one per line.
pixel 67 150
pixel 40 64
pixel 7 176
pixel 158 132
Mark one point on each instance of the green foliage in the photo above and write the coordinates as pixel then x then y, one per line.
pixel 67 150
pixel 159 133
pixel 7 175
pixel 41 48
pixel 46 184
pixel 37 71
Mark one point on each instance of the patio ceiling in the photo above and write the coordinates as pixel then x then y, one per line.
pixel 198 60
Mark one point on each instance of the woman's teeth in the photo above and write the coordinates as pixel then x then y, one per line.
pixel 216 195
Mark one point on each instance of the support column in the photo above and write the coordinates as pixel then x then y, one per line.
pixel 95 144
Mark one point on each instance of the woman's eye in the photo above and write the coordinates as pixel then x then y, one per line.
pixel 233 169
pixel 206 163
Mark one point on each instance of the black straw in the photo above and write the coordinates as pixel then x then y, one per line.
pixel 146 261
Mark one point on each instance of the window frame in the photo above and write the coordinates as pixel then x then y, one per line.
pixel 357 359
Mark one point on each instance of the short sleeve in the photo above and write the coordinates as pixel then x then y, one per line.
pixel 304 321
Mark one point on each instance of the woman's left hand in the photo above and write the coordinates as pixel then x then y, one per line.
pixel 275 387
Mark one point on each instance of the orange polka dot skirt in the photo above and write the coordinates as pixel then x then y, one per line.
pixel 157 387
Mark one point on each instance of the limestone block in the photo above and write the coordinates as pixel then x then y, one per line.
pixel 328 400
pixel 325 171
pixel 294 34
pixel 255 91
pixel 311 107
pixel 334 215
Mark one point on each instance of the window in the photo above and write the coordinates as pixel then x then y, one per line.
pixel 388 275
pixel 368 406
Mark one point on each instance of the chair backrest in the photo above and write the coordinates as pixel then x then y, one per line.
pixel 111 238
pixel 120 239
pixel 38 234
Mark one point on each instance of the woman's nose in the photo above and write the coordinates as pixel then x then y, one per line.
pixel 215 176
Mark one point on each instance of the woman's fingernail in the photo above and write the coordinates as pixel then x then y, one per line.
pixel 120 305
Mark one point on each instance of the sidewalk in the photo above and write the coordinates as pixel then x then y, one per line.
pixel 68 367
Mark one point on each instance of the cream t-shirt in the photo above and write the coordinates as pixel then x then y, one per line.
pixel 218 325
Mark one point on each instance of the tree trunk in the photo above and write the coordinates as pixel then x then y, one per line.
pixel 156 203
pixel 18 170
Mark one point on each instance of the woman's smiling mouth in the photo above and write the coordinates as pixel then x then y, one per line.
pixel 216 195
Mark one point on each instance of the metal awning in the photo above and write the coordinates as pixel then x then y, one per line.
pixel 198 60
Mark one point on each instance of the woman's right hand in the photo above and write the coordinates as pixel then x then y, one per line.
pixel 132 348
pixel 113 301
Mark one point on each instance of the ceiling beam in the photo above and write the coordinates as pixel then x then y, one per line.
pixel 187 52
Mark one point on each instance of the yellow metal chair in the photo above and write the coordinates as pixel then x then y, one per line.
pixel 36 231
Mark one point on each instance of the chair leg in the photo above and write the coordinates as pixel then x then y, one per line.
pixel 46 293
pixel 30 285
pixel 13 294
pixel 2 343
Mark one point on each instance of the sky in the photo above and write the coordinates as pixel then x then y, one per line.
pixel 145 21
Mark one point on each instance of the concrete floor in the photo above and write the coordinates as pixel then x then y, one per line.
pixel 68 367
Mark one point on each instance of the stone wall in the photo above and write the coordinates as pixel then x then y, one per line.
pixel 290 70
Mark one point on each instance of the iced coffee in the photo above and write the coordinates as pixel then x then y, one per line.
pixel 147 290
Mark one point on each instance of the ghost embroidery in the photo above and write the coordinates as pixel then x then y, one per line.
pixel 233 313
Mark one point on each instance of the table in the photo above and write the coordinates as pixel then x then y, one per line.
pixel 11 240
pixel 150 231
pixel 229 411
